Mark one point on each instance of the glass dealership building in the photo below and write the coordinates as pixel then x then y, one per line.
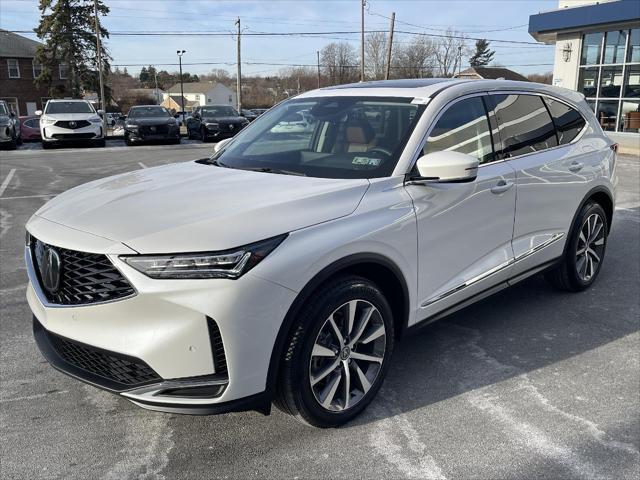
pixel 597 52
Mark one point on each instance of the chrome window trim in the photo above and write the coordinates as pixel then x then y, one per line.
pixel 35 284
pixel 512 261
pixel 416 154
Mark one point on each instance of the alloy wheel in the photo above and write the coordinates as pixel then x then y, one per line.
pixel 347 355
pixel 590 248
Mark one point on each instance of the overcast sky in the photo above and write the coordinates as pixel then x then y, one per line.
pixel 491 19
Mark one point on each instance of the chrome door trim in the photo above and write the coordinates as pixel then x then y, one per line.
pixel 554 238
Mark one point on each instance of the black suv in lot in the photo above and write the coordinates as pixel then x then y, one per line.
pixel 215 122
pixel 150 123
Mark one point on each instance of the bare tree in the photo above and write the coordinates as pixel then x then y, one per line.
pixel 448 52
pixel 541 77
pixel 414 60
pixel 340 62
pixel 375 54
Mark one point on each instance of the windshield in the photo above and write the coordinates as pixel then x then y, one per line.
pixel 3 109
pixel 336 137
pixel 142 112
pixel 222 111
pixel 69 107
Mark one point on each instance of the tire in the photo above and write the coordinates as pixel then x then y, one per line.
pixel 127 141
pixel 46 145
pixel 203 135
pixel 312 331
pixel 100 143
pixel 19 139
pixel 580 266
pixel 14 142
pixel 175 141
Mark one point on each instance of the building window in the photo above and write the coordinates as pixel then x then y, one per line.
pixel 14 68
pixel 591 48
pixel 230 99
pixel 63 70
pixel 37 69
pixel 609 76
pixel 634 46
pixel 614 45
pixel 208 100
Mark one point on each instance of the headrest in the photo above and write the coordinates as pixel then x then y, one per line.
pixel 360 133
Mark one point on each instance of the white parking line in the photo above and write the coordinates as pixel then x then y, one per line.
pixel 6 181
pixel 142 165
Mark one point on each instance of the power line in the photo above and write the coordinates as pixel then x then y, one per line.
pixel 218 33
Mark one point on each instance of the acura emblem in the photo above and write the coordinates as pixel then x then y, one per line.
pixel 232 126
pixel 50 270
pixel 73 124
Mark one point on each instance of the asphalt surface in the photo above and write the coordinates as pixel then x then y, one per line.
pixel 531 383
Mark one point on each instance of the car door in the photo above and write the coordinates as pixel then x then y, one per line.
pixel 550 177
pixel 464 229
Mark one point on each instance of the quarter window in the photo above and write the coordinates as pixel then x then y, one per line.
pixel 569 123
pixel 524 123
pixel 464 128
pixel 13 67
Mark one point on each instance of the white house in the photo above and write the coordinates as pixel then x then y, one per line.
pixel 203 93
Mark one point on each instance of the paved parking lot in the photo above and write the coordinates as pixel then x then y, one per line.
pixel 531 383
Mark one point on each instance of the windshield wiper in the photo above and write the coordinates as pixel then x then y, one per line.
pixel 275 170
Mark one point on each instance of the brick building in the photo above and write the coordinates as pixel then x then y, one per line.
pixel 17 72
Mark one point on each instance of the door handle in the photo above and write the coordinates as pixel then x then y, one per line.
pixel 501 187
pixel 575 166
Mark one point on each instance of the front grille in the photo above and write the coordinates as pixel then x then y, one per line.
pixel 72 124
pixel 73 136
pixel 121 369
pixel 217 347
pixel 85 278
pixel 154 130
pixel 226 127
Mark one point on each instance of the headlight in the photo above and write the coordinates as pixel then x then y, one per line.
pixel 95 120
pixel 212 125
pixel 131 125
pixel 228 264
pixel 47 121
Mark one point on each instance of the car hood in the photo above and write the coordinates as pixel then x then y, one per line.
pixel 191 207
pixel 152 121
pixel 70 116
pixel 223 119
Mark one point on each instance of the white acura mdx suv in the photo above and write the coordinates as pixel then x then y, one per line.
pixel 283 268
pixel 65 121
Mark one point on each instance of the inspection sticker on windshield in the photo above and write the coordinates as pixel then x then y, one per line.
pixel 366 161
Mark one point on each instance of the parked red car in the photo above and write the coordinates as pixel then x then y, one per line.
pixel 30 127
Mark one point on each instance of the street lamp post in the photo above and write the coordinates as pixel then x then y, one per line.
pixel 180 53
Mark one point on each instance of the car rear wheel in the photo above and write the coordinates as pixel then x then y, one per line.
pixel 584 252
pixel 203 134
pixel 338 353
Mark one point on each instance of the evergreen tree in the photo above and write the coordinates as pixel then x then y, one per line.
pixel 67 28
pixel 144 76
pixel 482 55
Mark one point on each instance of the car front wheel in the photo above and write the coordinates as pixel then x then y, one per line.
pixel 338 353
pixel 585 250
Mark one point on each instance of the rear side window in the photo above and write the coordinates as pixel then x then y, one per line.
pixel 463 128
pixel 569 123
pixel 524 124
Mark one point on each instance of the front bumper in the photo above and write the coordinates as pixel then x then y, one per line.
pixel 166 326
pixel 55 134
pixel 153 133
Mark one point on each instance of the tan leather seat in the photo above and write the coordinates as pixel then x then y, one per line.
pixel 360 137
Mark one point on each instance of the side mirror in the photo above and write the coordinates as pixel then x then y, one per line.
pixel 122 117
pixel 100 112
pixel 444 167
pixel 221 144
pixel 12 114
pixel 38 112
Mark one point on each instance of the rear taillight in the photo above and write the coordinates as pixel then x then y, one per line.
pixel 614 147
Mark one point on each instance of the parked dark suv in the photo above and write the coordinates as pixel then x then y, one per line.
pixel 150 123
pixel 215 122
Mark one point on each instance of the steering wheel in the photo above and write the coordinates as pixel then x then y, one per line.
pixel 384 151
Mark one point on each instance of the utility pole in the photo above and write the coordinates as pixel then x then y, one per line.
pixel 459 58
pixel 318 56
pixel 362 5
pixel 239 79
pixel 180 53
pixel 100 73
pixel 155 79
pixel 390 46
